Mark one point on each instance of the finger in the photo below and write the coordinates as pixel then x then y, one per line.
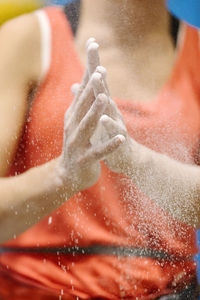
pixel 78 92
pixel 112 127
pixel 91 48
pixel 99 88
pixel 77 89
pixel 86 99
pixel 103 72
pixel 112 109
pixel 98 85
pixel 86 75
pixel 89 123
pixel 83 84
pixel 92 57
pixel 106 148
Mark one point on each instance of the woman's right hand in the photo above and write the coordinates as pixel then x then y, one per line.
pixel 79 163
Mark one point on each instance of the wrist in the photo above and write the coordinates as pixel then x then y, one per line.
pixel 131 157
pixel 62 180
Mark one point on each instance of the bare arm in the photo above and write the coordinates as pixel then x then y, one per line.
pixel 19 70
pixel 27 198
pixel 174 186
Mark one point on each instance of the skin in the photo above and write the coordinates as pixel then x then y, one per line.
pixel 129 33
pixel 92 112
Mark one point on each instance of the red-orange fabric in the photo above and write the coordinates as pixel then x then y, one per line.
pixel 114 211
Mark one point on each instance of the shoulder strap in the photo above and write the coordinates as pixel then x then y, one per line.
pixel 72 11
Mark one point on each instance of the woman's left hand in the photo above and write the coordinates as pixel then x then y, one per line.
pixel 111 124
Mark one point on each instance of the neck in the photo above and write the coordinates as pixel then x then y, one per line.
pixel 135 34
pixel 124 21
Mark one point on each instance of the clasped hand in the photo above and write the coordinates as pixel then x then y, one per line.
pixel 93 127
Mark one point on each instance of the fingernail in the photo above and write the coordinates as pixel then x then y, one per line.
pixel 101 70
pixel 89 41
pixel 93 46
pixel 104 118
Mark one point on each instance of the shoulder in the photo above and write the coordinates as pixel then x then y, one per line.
pixel 23 25
pixel 20 43
pixel 20 30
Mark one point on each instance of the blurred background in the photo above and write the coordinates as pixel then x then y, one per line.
pixel 13 8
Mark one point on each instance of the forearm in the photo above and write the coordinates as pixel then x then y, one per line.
pixel 174 186
pixel 27 198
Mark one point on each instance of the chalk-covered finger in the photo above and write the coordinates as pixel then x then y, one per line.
pixel 93 59
pixel 89 123
pixel 86 99
pixel 106 148
pixel 75 88
pixel 84 82
pixel 103 72
pixel 112 127
pixel 99 88
pixel 98 85
pixel 91 64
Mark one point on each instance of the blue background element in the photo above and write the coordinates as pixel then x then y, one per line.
pixel 197 257
pixel 60 2
pixel 186 10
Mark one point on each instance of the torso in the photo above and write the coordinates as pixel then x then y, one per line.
pixel 114 211
pixel 153 64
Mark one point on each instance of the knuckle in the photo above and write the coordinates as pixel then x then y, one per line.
pixel 95 78
pixel 102 98
pixel 97 153
pixel 82 161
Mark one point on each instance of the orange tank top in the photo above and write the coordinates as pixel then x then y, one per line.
pixel 109 241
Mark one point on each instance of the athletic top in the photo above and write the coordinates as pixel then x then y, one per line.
pixel 109 241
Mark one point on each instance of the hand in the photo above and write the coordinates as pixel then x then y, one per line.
pixel 79 161
pixel 111 124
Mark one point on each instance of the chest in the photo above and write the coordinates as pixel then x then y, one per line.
pixel 169 124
